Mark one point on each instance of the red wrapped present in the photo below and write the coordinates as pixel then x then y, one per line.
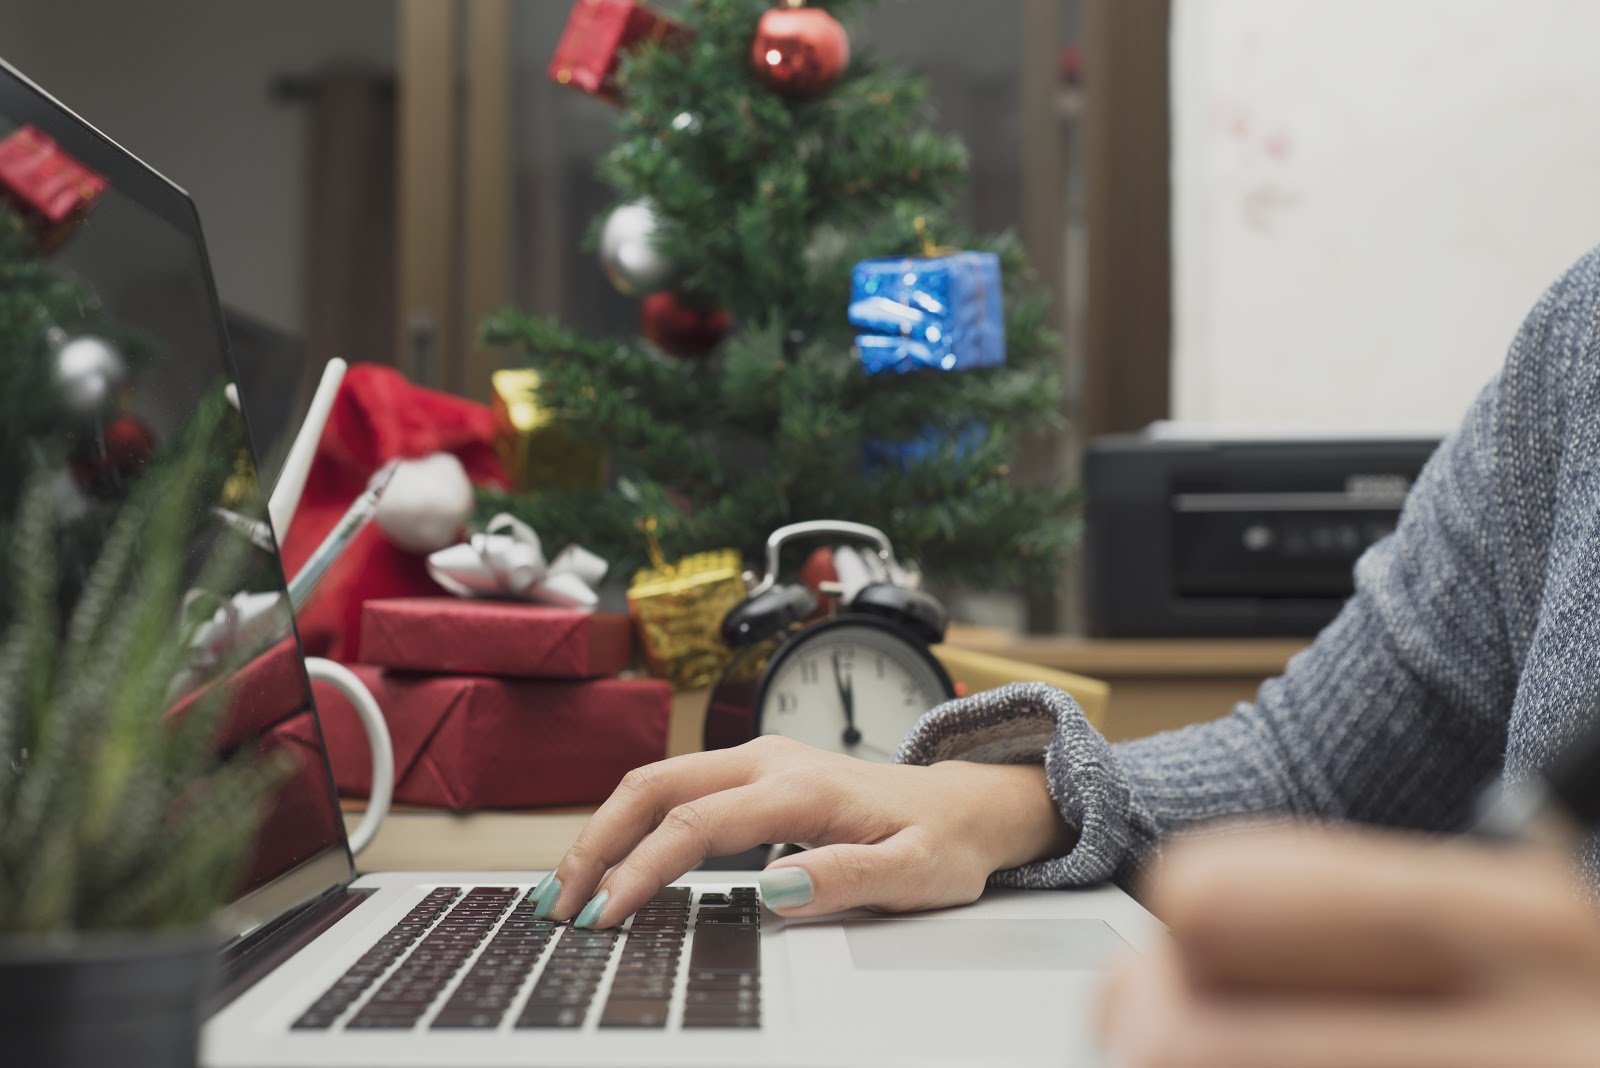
pixel 598 34
pixel 267 711
pixel 50 188
pixel 467 742
pixel 450 636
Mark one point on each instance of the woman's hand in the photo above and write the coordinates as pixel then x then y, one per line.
pixel 1326 949
pixel 894 837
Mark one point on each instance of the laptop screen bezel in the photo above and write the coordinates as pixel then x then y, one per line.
pixel 25 102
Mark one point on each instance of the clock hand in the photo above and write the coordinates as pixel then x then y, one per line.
pixel 848 699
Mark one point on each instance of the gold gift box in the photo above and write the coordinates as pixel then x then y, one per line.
pixel 677 610
pixel 538 452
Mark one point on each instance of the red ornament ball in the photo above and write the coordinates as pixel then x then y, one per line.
pixel 799 51
pixel 683 329
pixel 104 463
pixel 817 570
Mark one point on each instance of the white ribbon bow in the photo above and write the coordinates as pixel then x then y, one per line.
pixel 507 560
pixel 857 569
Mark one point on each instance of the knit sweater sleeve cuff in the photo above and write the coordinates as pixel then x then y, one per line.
pixel 1031 723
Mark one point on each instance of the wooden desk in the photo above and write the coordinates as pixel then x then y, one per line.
pixel 1156 684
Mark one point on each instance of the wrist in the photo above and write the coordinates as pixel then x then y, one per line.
pixel 1012 816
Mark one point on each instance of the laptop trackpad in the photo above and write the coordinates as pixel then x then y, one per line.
pixel 939 944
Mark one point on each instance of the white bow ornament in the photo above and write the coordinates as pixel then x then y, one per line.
pixel 507 560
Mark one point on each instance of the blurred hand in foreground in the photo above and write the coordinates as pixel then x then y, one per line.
pixel 892 837
pixel 1342 948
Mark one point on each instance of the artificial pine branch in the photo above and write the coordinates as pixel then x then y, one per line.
pixel 115 810
pixel 671 386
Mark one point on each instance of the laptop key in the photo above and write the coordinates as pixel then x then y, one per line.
pixel 747 998
pixel 381 1023
pixel 634 1013
pixel 741 1022
pixel 486 1020
pixel 724 981
pixel 725 948
pixel 555 1016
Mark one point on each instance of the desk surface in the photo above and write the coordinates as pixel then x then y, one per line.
pixel 482 841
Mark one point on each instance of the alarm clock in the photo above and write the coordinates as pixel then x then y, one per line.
pixel 854 682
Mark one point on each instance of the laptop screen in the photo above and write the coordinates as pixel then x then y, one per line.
pixel 129 323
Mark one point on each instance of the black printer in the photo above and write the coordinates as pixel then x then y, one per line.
pixel 1189 537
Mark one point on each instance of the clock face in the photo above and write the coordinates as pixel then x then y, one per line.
pixel 850 686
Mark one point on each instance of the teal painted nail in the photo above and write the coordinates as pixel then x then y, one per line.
pixel 785 888
pixel 591 912
pixel 548 890
pixel 544 884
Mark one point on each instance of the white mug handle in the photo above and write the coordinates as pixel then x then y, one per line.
pixel 345 681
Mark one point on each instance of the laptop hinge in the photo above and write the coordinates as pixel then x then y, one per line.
pixel 252 958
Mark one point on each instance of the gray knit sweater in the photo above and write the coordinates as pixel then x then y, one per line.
pixel 1471 645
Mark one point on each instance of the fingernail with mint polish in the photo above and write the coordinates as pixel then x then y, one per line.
pixel 591 912
pixel 545 896
pixel 785 888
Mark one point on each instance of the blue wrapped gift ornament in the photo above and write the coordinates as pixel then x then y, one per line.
pixel 935 313
pixel 879 455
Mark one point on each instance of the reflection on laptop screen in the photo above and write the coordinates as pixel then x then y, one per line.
pixel 134 337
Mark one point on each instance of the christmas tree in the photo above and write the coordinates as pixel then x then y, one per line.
pixel 54 357
pixel 756 165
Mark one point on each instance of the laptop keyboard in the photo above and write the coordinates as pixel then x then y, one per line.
pixel 488 937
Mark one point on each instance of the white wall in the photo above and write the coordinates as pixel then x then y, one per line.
pixel 1368 197
pixel 184 84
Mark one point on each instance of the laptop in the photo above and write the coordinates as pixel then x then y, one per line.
pixel 322 965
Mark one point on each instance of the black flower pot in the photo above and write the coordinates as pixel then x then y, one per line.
pixel 91 1000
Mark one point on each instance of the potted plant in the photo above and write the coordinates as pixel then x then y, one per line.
pixel 121 828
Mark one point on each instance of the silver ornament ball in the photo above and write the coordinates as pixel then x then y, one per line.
pixel 628 250
pixel 89 372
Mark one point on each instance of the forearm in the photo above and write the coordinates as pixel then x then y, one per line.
pixel 1353 730
pixel 1009 809
pixel 1038 725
